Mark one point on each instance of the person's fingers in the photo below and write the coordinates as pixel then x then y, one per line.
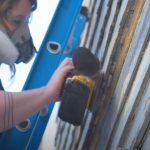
pixel 66 70
pixel 65 66
pixel 66 61
pixel 56 82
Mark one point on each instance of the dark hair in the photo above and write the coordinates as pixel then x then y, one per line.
pixel 33 4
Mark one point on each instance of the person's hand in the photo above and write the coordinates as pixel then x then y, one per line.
pixel 55 84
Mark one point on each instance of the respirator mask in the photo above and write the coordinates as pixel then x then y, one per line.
pixel 17 47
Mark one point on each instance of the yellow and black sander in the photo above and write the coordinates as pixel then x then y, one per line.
pixel 78 88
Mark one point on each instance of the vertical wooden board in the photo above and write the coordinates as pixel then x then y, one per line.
pixel 139 119
pixel 90 13
pixel 143 69
pixel 124 81
pixel 125 37
pixel 84 133
pixel 105 131
pixel 120 89
pixel 87 4
pixel 103 47
pixel 93 19
pixel 99 26
pixel 115 34
pixel 146 144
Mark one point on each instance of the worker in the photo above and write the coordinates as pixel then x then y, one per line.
pixel 15 107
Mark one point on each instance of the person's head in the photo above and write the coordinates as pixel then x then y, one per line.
pixel 14 17
pixel 13 13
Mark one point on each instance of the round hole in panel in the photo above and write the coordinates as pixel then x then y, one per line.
pixel 24 125
pixel 53 47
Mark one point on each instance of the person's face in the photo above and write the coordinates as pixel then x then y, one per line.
pixel 18 15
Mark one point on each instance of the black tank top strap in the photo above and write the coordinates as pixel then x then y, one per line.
pixel 1 86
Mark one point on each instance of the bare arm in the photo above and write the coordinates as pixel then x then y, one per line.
pixel 17 106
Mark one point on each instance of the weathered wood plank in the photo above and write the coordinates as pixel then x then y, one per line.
pixel 115 34
pixel 90 13
pixel 139 118
pixel 146 144
pixel 93 19
pixel 143 68
pixel 98 32
pixel 125 36
pixel 113 12
pixel 88 4
pixel 116 102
